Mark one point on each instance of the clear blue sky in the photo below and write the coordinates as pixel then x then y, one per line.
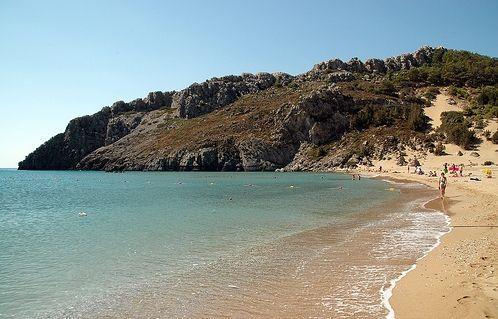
pixel 63 59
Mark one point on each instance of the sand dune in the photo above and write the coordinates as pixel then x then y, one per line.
pixel 439 106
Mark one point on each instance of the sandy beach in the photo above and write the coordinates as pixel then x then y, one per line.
pixel 458 279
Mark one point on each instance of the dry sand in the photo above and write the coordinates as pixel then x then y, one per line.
pixel 439 106
pixel 459 278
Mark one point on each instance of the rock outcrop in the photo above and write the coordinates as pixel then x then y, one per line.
pixel 407 61
pixel 82 136
pixel 121 125
pixel 85 134
pixel 205 97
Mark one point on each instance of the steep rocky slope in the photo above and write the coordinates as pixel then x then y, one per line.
pixel 337 114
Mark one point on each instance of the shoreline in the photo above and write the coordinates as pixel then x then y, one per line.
pixel 314 278
pixel 420 291
pixel 388 293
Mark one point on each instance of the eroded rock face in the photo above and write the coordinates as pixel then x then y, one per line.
pixel 207 96
pixel 50 155
pixel 85 134
pixel 153 101
pixel 222 157
pixel 259 155
pixel 402 62
pixel 319 117
pixel 375 66
pixel 82 136
pixel 121 125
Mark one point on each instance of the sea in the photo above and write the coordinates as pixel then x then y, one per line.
pixel 80 244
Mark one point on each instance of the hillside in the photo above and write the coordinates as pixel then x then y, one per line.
pixel 339 114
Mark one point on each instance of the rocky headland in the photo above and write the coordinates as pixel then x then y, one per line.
pixel 338 114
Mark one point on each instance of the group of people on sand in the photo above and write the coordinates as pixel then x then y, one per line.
pixel 455 170
pixel 418 170
pixel 442 181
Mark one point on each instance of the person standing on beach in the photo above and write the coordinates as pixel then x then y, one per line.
pixel 445 169
pixel 442 185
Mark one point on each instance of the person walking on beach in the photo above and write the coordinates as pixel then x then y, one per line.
pixel 445 169
pixel 442 185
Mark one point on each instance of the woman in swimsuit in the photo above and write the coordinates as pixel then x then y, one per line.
pixel 442 185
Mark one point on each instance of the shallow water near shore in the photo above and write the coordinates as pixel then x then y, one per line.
pixel 199 244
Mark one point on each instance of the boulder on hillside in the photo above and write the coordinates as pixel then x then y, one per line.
pixel 353 161
pixel 451 101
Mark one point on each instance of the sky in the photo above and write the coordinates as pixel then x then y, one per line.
pixel 64 59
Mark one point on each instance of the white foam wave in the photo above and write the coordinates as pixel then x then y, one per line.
pixel 387 293
pixel 405 184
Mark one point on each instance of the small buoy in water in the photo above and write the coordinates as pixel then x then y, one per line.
pixel 82 214
pixel 211 183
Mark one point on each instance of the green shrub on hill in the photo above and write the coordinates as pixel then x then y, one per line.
pixel 417 120
pixel 439 149
pixel 410 116
pixel 372 115
pixel 452 67
pixel 458 92
pixel 431 93
pixel 455 127
pixel 488 95
pixel 487 134
pixel 385 87
pixel 494 138
pixel 466 68
pixel 485 104
pixel 316 152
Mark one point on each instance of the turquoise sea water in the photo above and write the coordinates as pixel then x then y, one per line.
pixel 149 227
pixel 143 225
